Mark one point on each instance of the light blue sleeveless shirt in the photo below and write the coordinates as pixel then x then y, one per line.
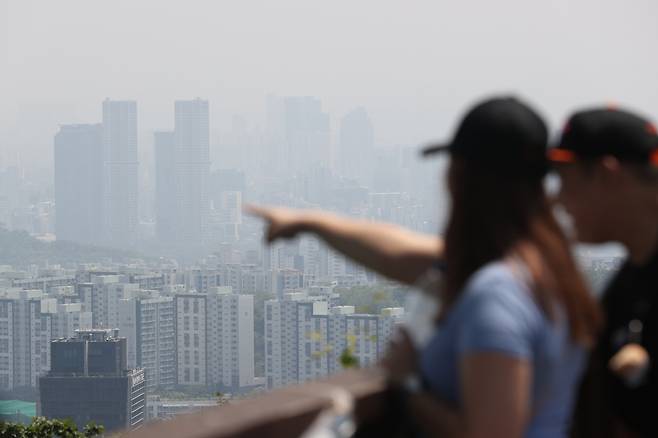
pixel 496 312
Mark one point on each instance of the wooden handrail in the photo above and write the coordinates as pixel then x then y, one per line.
pixel 285 412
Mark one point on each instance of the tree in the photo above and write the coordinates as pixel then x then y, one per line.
pixel 41 427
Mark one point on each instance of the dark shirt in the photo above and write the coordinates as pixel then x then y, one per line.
pixel 632 298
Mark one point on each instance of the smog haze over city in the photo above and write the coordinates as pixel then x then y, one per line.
pixel 133 133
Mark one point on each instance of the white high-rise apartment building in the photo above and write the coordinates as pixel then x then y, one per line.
pixel 191 338
pixel 215 339
pixel 25 335
pixel 305 338
pixel 323 264
pixel 228 214
pixel 230 338
pixel 244 278
pixel 315 255
pixel 285 281
pixel 120 175
pixel 365 335
pixel 102 295
pixel 191 169
pixel 201 280
pixel 294 330
pixel 149 326
pixel 66 318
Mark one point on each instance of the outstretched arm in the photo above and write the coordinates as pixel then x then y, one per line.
pixel 387 249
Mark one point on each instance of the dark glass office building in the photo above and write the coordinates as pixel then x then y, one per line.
pixel 89 381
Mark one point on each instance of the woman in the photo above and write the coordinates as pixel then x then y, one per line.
pixel 516 318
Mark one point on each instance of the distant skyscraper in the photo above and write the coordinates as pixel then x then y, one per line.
pixel 355 151
pixel 120 171
pixel 165 187
pixel 275 133
pixel 307 134
pixel 78 183
pixel 191 169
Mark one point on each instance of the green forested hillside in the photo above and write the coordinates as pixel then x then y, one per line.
pixel 18 248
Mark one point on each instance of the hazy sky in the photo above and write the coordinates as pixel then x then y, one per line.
pixel 413 65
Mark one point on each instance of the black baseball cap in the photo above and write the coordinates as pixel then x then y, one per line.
pixel 594 133
pixel 503 132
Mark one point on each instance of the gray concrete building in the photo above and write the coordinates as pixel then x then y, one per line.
pixel 120 172
pixel 78 183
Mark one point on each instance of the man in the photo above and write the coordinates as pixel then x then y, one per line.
pixel 608 163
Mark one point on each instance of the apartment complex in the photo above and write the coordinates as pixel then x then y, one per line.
pixel 305 337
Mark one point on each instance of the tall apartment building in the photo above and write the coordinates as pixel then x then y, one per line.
pixel 89 381
pixel 79 183
pixel 215 339
pixel 307 134
pixel 102 295
pixel 151 281
pixel 191 338
pixel 344 271
pixel 149 326
pixel 24 336
pixel 120 175
pixel 282 255
pixel 228 215
pixel 191 169
pixel 45 284
pixel 295 327
pixel 65 318
pixel 201 280
pixel 285 280
pixel 320 263
pixel 305 337
pixel 244 278
pixel 230 338
pixel 365 335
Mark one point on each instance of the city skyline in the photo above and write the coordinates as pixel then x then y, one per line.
pixel 108 198
pixel 225 204
pixel 234 56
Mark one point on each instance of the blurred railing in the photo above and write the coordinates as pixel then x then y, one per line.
pixel 290 411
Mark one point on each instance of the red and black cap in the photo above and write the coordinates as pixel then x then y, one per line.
pixel 503 132
pixel 598 132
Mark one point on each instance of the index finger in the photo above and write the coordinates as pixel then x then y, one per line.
pixel 256 210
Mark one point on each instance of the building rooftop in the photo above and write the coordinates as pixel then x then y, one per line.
pixel 93 335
